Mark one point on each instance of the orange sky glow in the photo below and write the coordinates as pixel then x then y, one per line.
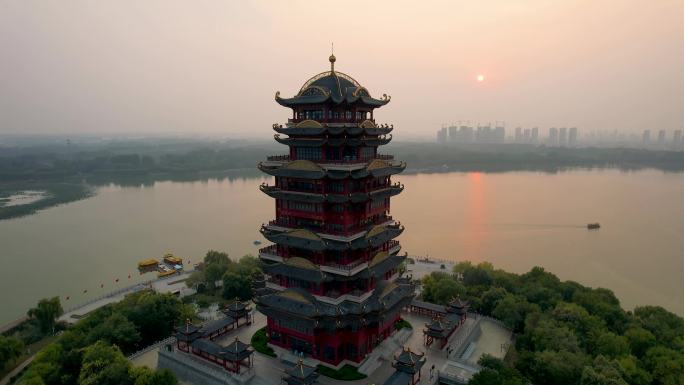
pixel 170 66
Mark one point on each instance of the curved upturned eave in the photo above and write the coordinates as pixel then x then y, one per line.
pixel 355 130
pixel 277 193
pixel 299 100
pixel 333 142
pixel 291 173
pixel 380 235
pixel 284 171
pixel 347 313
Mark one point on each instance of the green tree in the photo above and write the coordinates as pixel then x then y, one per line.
pixel 104 365
pixel 512 310
pixel 237 285
pixel 154 315
pixel 602 372
pixel 116 330
pixel 554 367
pixel 632 371
pixel 666 365
pixel 46 313
pixel 10 349
pixel 611 345
pixel 546 334
pixel 667 327
pixel 145 376
pixel 491 298
pixel 495 372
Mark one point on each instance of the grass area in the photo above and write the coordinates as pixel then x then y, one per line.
pixel 345 373
pixel 259 343
pixel 402 323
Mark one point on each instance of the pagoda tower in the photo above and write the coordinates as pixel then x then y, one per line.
pixel 333 283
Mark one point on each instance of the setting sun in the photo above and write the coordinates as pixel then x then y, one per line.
pixel 480 78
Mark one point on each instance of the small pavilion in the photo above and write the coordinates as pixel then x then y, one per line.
pixel 239 354
pixel 301 374
pixel 218 328
pixel 185 336
pixel 444 325
pixel 407 367
pixel 239 310
pixel 233 357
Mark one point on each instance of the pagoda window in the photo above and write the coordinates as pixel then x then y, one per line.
pixel 367 153
pixel 330 114
pixel 337 187
pixel 332 153
pixel 308 153
pixel 303 206
pixel 338 208
pixel 349 153
pixel 337 115
pixel 336 227
pixel 375 203
pixel 348 115
pixel 314 114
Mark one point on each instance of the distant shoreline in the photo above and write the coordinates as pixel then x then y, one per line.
pixel 67 173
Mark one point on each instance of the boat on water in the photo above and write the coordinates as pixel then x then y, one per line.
pixel 166 273
pixel 593 226
pixel 147 263
pixel 257 242
pixel 172 260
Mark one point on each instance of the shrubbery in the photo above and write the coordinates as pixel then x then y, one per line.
pixel 566 333
pixel 92 351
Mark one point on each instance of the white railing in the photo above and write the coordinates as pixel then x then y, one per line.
pixel 155 345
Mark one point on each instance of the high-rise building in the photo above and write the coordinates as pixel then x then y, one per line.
pixel 572 137
pixel 563 137
pixel 466 134
pixel 646 137
pixel 442 135
pixel 661 137
pixel 677 139
pixel 499 135
pixel 535 134
pixel 527 136
pixel 518 135
pixel 453 133
pixel 553 136
pixel 334 291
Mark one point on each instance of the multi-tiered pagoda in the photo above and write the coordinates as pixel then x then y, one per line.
pixel 334 289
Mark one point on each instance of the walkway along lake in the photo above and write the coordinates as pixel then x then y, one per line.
pixel 515 220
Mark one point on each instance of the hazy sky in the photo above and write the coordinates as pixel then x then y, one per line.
pixel 200 66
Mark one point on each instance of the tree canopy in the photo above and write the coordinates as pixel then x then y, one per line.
pixel 92 351
pixel 567 334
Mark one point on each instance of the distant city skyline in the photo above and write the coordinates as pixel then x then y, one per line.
pixel 466 132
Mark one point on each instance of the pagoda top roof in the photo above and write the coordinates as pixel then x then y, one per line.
pixel 332 87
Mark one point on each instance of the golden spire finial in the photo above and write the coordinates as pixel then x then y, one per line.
pixel 332 57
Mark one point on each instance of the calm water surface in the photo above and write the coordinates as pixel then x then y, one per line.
pixel 515 220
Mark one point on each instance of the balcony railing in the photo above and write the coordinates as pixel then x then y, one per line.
pixel 329 229
pixel 332 120
pixel 330 293
pixel 345 161
pixel 273 250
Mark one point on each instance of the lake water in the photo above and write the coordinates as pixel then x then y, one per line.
pixel 515 220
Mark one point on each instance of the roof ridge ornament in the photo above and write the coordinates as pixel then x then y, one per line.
pixel 332 57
